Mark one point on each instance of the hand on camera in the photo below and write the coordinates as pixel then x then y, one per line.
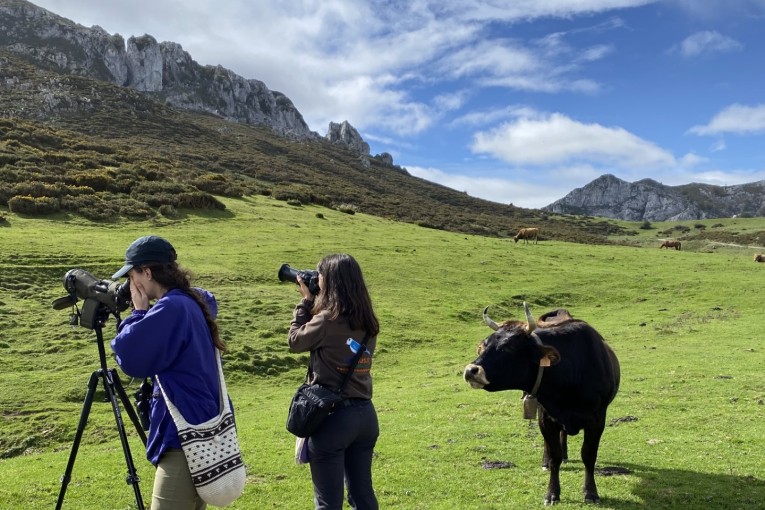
pixel 304 289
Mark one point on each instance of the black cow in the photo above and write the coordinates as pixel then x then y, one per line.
pixel 567 366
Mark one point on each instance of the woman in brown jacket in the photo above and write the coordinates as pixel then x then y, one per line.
pixel 332 326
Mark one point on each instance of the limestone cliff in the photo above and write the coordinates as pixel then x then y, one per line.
pixel 163 70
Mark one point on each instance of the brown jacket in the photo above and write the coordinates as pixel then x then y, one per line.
pixel 330 345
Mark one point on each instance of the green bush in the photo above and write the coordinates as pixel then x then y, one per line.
pixel 293 192
pixel 91 207
pixel 99 180
pixel 159 187
pixel 38 189
pixel 33 205
pixel 199 200
pixel 168 211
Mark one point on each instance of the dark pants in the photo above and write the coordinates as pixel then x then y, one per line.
pixel 341 450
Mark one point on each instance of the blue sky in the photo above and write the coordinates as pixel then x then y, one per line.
pixel 512 101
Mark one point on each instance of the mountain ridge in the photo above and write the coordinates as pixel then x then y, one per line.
pixel 646 199
pixel 160 69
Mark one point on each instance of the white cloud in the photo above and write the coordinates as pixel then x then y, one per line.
pixel 691 160
pixel 736 118
pixel 558 139
pixel 519 192
pixel 357 61
pixel 714 10
pixel 724 177
pixel 706 42
pixel 494 115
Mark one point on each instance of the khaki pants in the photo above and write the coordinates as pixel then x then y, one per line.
pixel 173 488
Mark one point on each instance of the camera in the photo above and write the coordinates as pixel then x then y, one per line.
pixel 309 277
pixel 143 402
pixel 95 292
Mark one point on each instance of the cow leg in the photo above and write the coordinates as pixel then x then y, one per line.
pixel 551 431
pixel 590 445
pixel 563 449
pixel 564 446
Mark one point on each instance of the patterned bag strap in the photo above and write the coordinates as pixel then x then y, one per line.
pixel 354 362
pixel 180 421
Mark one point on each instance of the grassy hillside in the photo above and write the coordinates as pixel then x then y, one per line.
pixel 685 427
pixel 86 147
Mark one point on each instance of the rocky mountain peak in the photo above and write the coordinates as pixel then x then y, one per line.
pixel 160 69
pixel 611 197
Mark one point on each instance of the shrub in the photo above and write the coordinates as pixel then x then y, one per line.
pixel 646 225
pixel 294 202
pixel 199 200
pixel 159 187
pixel 168 211
pixel 96 213
pixel 131 208
pixel 293 192
pixel 33 205
pixel 99 180
pixel 37 189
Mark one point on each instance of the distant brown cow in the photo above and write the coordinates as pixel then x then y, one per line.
pixel 670 244
pixel 759 257
pixel 526 234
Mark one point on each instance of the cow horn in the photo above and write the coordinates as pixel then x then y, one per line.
pixel 493 325
pixel 529 317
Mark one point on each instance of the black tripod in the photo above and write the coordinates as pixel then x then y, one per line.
pixel 97 316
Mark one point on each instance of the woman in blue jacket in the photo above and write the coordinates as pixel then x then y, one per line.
pixel 175 338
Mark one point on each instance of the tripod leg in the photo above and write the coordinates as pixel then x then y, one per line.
pixel 132 478
pixel 127 404
pixel 78 436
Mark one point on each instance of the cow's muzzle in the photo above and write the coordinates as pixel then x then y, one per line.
pixel 475 376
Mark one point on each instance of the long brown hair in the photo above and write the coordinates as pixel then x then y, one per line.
pixel 172 276
pixel 344 294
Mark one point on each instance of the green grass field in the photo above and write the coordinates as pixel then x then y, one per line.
pixel 686 428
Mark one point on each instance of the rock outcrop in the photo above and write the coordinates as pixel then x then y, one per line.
pixel 347 135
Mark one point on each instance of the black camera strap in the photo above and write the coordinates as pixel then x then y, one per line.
pixel 351 367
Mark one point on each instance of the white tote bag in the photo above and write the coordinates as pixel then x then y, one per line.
pixel 212 450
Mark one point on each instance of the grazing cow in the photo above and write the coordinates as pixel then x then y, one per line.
pixel 567 368
pixel 526 234
pixel 759 257
pixel 670 244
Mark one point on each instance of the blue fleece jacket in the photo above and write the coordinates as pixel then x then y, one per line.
pixel 172 340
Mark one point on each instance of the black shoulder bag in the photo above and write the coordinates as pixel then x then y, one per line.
pixel 313 402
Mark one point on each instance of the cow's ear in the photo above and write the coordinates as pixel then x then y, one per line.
pixel 550 356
